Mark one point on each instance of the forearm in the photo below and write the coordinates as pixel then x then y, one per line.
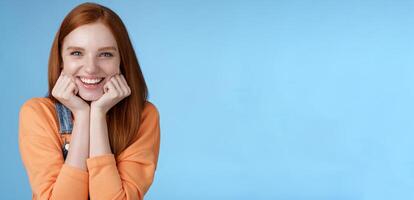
pixel 99 140
pixel 79 144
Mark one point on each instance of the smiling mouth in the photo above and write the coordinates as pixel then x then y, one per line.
pixel 91 81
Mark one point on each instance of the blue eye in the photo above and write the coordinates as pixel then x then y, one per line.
pixel 75 53
pixel 107 54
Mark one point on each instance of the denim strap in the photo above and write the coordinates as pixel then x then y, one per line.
pixel 65 125
pixel 65 118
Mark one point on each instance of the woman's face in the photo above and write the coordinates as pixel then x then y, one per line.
pixel 90 54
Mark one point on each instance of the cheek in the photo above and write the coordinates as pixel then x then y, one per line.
pixel 71 66
pixel 110 67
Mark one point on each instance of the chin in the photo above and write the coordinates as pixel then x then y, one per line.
pixel 90 96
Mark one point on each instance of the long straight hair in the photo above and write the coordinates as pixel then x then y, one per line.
pixel 124 118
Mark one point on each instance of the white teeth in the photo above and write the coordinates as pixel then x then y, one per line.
pixel 90 81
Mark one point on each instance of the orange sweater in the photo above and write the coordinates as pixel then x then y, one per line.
pixel 128 176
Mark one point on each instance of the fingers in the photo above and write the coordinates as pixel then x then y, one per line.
pixel 66 84
pixel 64 87
pixel 109 86
pixel 75 87
pixel 125 84
pixel 69 92
pixel 56 87
pixel 59 86
pixel 115 82
pixel 76 90
pixel 120 86
pixel 69 85
pixel 116 89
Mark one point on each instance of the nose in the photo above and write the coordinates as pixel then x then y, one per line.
pixel 90 65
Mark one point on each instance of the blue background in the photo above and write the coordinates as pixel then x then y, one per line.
pixel 258 99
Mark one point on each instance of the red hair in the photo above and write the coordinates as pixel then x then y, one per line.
pixel 124 118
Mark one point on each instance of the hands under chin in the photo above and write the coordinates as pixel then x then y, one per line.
pixel 115 90
pixel 65 91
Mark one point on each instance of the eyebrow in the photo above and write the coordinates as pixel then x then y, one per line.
pixel 100 49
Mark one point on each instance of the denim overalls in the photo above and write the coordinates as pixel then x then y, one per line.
pixel 65 125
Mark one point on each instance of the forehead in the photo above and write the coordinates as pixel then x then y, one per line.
pixel 90 36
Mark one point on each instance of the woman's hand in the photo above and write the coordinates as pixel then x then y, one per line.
pixel 115 90
pixel 65 91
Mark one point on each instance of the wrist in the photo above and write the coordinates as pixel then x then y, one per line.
pixel 81 113
pixel 97 111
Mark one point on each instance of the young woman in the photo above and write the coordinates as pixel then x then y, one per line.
pixel 95 135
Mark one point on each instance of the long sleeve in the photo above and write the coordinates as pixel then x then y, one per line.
pixel 41 154
pixel 130 175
